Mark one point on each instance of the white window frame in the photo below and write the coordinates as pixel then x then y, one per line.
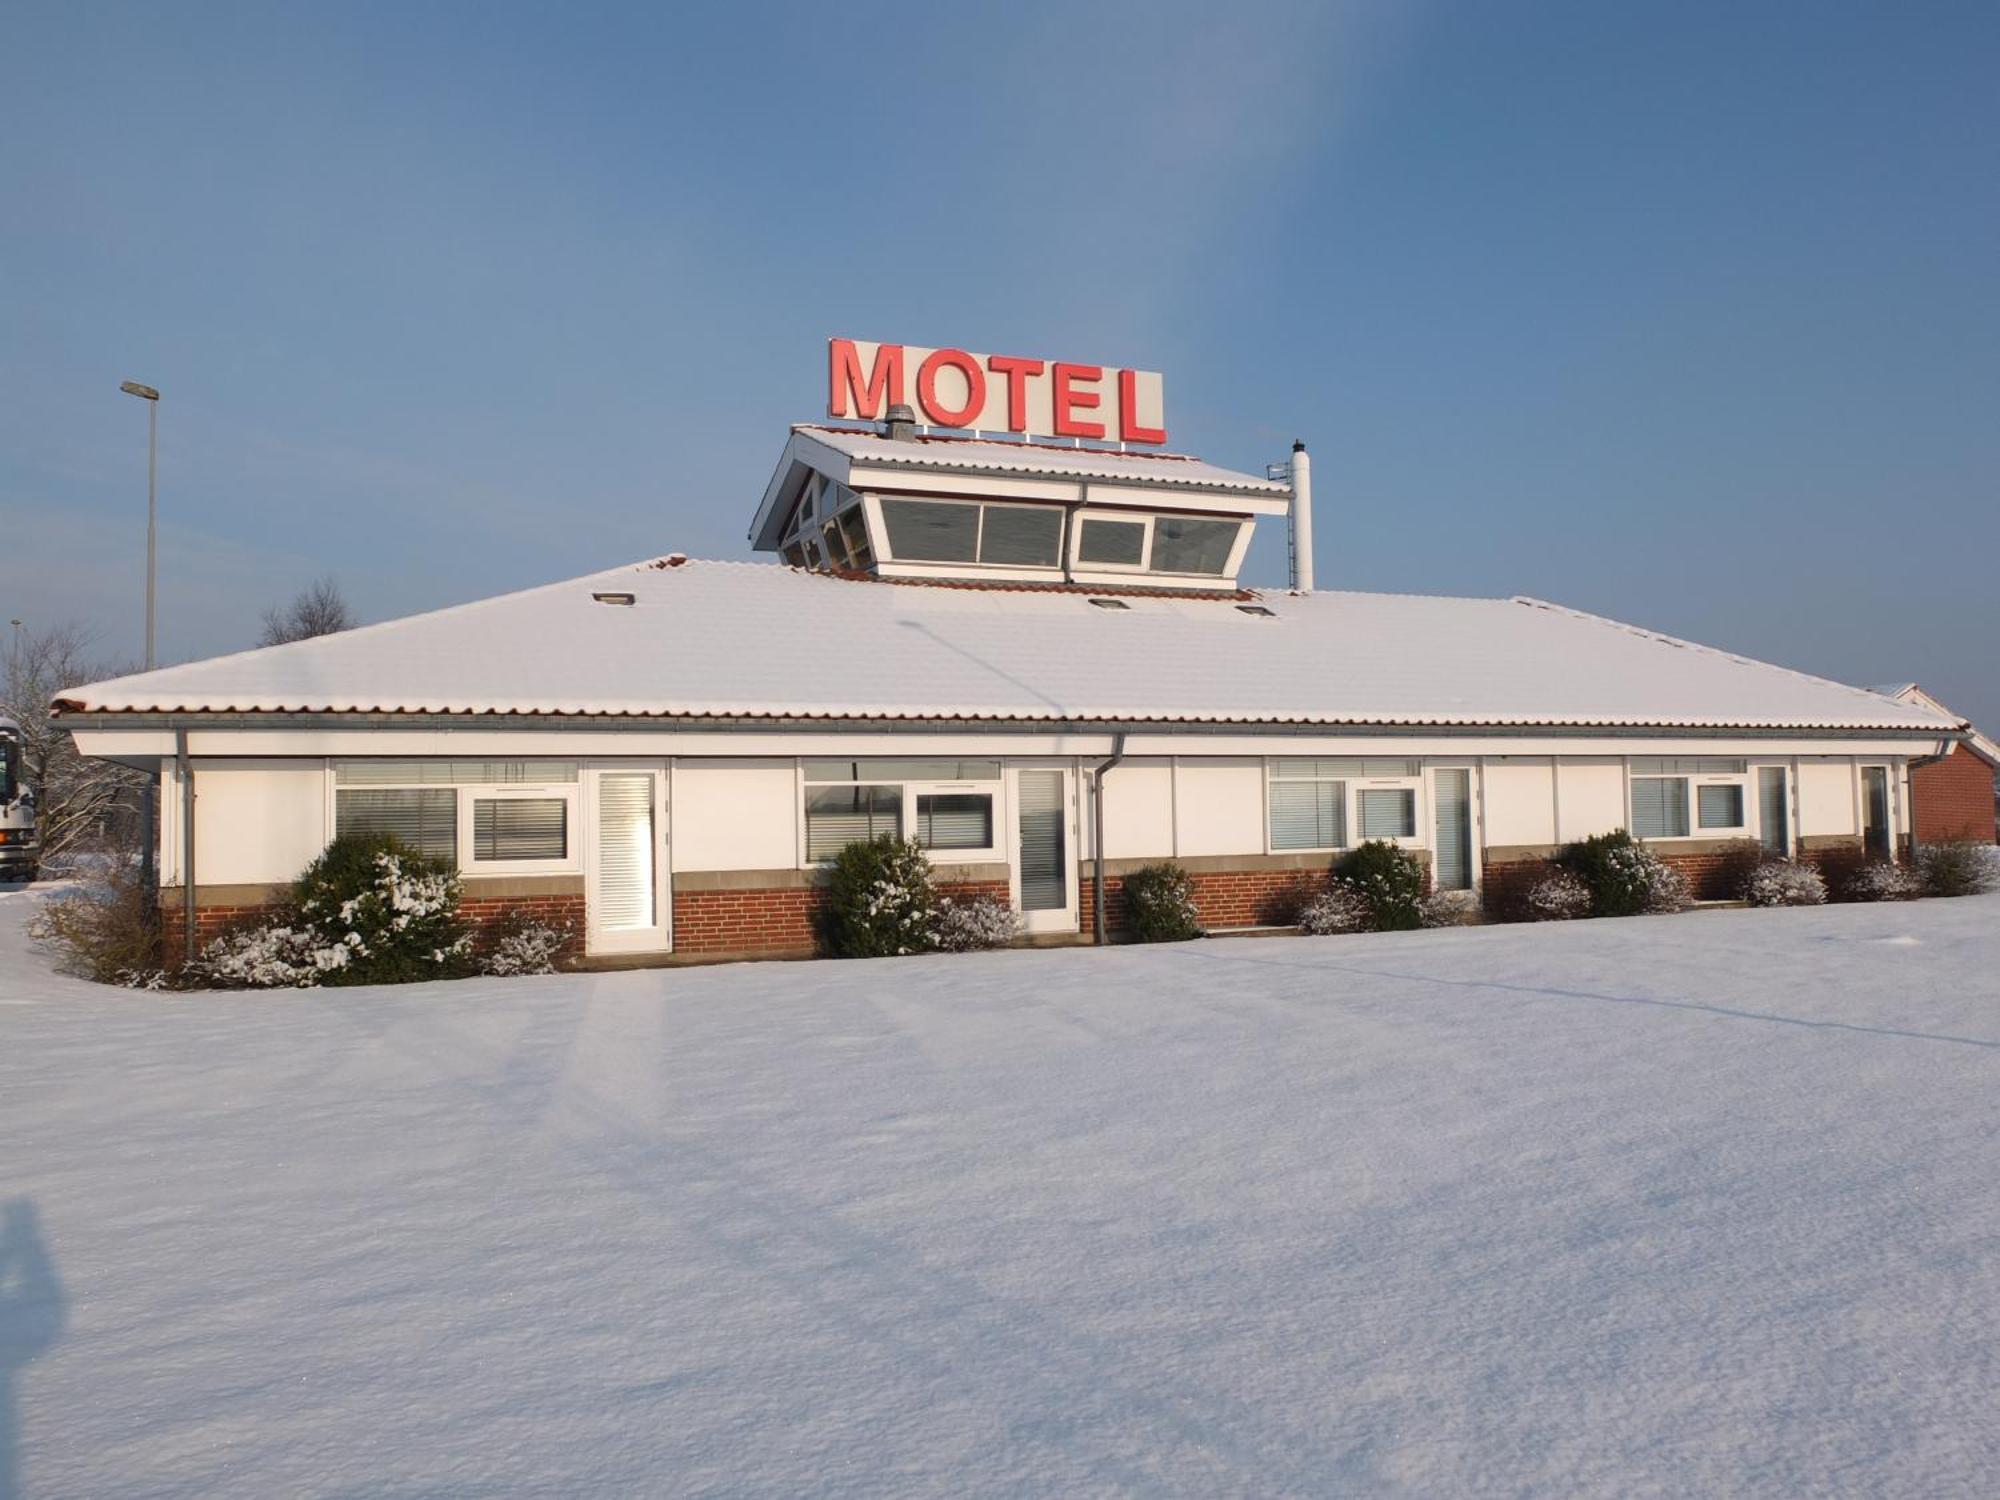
pixel 993 853
pixel 1745 781
pixel 1143 519
pixel 471 868
pixel 878 533
pixel 1417 785
pixel 570 864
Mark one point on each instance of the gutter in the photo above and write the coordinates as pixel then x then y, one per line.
pixel 1097 836
pixel 186 768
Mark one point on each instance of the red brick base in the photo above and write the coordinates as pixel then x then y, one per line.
pixel 771 923
pixel 1223 898
pixel 1952 798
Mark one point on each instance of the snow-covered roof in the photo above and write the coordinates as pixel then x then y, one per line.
pixel 972 455
pixel 1981 745
pixel 764 640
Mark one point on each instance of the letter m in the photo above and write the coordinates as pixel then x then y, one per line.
pixel 847 395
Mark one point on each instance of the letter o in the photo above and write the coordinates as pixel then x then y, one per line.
pixel 975 388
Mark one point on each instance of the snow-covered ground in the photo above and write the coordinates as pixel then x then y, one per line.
pixel 1699 1205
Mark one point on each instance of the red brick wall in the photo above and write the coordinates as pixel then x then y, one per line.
pixel 1224 898
pixel 212 921
pixel 770 922
pixel 1952 798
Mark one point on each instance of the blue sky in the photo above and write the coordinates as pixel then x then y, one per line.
pixel 1683 313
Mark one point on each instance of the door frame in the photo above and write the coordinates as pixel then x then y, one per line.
pixel 658 938
pixel 1068 918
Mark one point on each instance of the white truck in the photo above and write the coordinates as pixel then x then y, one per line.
pixel 18 849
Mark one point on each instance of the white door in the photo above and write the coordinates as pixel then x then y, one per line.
pixel 626 883
pixel 1042 846
pixel 1452 859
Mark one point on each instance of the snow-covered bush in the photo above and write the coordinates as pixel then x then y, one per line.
pixel 395 912
pixel 1558 896
pixel 1159 904
pixel 1784 882
pixel 105 927
pixel 517 944
pixel 1444 909
pixel 1958 868
pixel 1879 880
pixel 269 955
pixel 880 901
pixel 1390 881
pixel 1624 877
pixel 972 925
pixel 1666 887
pixel 1337 909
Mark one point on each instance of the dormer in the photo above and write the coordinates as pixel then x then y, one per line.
pixel 897 503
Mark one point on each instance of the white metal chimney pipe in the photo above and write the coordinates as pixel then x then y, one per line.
pixel 1302 520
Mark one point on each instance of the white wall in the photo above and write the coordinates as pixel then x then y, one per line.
pixel 1826 797
pixel 1592 796
pixel 256 822
pixel 735 815
pixel 1219 806
pixel 1138 809
pixel 1520 802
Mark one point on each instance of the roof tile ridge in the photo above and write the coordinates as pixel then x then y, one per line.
pixel 1647 633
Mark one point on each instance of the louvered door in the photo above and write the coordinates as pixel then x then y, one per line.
pixel 626 880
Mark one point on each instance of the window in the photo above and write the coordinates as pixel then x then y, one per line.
pixel 1659 807
pixel 955 820
pixel 1021 536
pixel 424 818
pixel 1189 544
pixel 1115 544
pixel 837 816
pixel 480 815
pixel 1308 805
pixel 947 805
pixel 1015 536
pixel 1387 812
pixel 1312 803
pixel 1665 789
pixel 517 828
pixel 1719 805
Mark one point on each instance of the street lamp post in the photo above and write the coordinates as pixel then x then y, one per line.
pixel 148 839
pixel 152 399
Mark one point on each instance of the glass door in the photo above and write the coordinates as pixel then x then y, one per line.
pixel 1875 842
pixel 1774 812
pixel 1044 848
pixel 626 883
pixel 1451 798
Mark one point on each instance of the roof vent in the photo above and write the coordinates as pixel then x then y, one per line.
pixel 616 598
pixel 899 424
pixel 1110 603
pixel 1257 609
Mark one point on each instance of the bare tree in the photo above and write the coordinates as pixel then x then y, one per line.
pixel 79 803
pixel 318 610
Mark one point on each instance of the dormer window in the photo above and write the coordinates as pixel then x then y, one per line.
pixel 1166 543
pixel 951 531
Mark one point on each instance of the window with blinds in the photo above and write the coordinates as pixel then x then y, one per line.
pixel 425 819
pixel 1114 544
pixel 453 772
pixel 1659 807
pixel 1308 814
pixel 1015 536
pixel 837 816
pixel 508 828
pixel 1386 812
pixel 1719 805
pixel 954 820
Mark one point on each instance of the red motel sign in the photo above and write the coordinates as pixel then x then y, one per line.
pixel 994 392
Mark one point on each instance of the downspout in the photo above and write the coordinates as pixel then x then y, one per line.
pixel 1097 835
pixel 186 769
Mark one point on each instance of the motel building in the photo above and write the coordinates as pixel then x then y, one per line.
pixel 1001 619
